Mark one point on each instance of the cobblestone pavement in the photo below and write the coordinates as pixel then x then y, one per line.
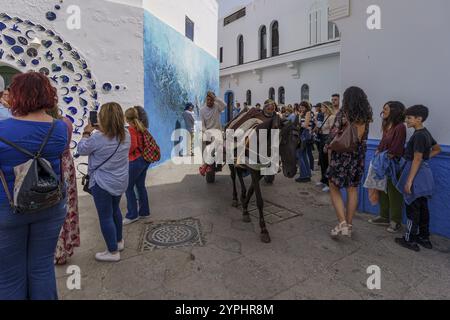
pixel 227 260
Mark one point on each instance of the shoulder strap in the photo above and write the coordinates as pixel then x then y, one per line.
pixel 28 153
pixel 325 121
pixel 101 165
pixel 5 186
pixel 49 134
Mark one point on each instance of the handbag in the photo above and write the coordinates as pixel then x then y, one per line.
pixel 87 178
pixel 346 139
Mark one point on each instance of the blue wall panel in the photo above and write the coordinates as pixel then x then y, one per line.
pixel 176 72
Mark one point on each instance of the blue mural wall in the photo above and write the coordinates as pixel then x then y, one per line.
pixel 176 72
pixel 440 203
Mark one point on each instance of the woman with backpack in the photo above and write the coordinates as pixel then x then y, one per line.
pixel 108 149
pixel 30 222
pixel 138 170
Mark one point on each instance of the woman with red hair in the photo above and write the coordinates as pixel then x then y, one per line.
pixel 28 241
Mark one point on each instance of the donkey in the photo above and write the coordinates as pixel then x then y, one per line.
pixel 289 140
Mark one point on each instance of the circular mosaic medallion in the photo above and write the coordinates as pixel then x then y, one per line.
pixel 171 235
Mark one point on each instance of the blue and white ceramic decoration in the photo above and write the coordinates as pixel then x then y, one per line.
pixel 56 68
pixel 72 110
pixel 17 50
pixel 83 102
pixel 44 71
pixel 22 41
pixel 51 16
pixel 32 52
pixel 47 43
pixel 67 46
pixel 9 40
pixel 64 78
pixel 27 34
pixel 68 100
pixel 65 91
pixel 69 66
pixel 107 87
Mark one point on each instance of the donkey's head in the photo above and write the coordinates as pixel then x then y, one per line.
pixel 289 140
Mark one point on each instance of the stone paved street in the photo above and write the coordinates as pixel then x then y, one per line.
pixel 302 262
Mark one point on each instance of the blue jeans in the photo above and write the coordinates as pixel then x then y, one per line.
pixel 309 151
pixel 137 175
pixel 303 163
pixel 27 252
pixel 109 215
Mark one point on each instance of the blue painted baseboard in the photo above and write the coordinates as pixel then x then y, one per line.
pixel 439 204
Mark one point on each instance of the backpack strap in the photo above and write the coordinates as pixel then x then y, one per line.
pixel 5 186
pixel 28 153
pixel 49 134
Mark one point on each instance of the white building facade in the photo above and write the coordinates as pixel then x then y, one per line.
pixel 280 49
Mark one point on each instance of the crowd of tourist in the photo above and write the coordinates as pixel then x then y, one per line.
pixel 399 175
pixel 36 161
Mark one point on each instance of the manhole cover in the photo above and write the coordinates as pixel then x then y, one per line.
pixel 273 213
pixel 172 234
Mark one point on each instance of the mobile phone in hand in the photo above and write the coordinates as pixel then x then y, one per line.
pixel 93 118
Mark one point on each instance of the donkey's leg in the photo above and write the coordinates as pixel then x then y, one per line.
pixel 241 181
pixel 246 201
pixel 256 177
pixel 233 178
pixel 246 216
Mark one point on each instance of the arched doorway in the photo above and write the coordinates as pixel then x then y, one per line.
pixel 229 100
pixel 7 73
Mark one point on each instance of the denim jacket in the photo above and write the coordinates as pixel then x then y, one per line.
pixel 383 167
pixel 423 184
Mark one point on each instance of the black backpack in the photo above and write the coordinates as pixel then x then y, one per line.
pixel 36 186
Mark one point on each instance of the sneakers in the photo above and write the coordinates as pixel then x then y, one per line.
pixel 144 218
pixel 121 246
pixel 407 244
pixel 340 229
pixel 107 256
pixel 394 227
pixel 326 189
pixel 127 221
pixel 379 221
pixel 319 184
pixel 425 242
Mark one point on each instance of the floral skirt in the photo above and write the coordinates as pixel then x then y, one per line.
pixel 69 237
pixel 346 169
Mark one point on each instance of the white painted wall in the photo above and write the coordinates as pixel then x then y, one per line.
pixel 322 76
pixel 110 39
pixel 293 20
pixel 204 13
pixel 408 60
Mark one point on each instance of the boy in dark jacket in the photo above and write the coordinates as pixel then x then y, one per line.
pixel 416 182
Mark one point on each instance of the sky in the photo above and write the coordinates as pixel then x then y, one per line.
pixel 225 6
